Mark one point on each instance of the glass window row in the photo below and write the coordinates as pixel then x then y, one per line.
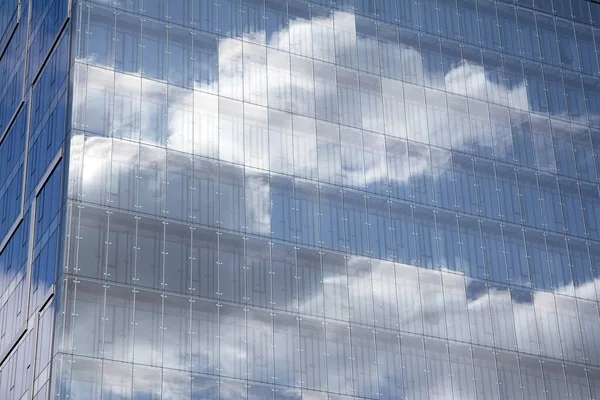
pixel 28 360
pixel 148 253
pixel 12 148
pixel 493 25
pixel 112 325
pixel 156 113
pixel 8 20
pixel 15 374
pixel 13 312
pixel 51 82
pixel 246 70
pixel 47 21
pixel 180 186
pixel 23 50
pixel 13 258
pixel 494 378
pixel 15 39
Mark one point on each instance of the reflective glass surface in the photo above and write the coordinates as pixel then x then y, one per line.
pixel 35 42
pixel 244 199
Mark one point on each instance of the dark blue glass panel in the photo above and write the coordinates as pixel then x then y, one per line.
pixel 493 251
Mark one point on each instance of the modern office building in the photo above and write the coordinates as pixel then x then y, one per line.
pixel 282 199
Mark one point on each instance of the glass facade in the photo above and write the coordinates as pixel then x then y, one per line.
pixel 34 113
pixel 284 199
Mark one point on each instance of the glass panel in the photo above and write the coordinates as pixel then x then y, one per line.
pixel 260 346
pixel 310 282
pixel 232 342
pixel 347 96
pixel 437 119
pixel 284 290
pixel 441 168
pixel 502 317
pixel 508 376
pixel 461 368
pixel 438 369
pixel 258 274
pixel 588 320
pixel 547 325
pixel 329 153
pixel 448 238
pixel 232 277
pixel 584 154
pixel 530 199
pixel 486 375
pixel 282 211
pixel 231 191
pixel 257 196
pixel 339 353
pixel 554 380
pixel 412 65
pixel 205 281
pixel 410 310
pixel 432 300
pixel 594 380
pixel 471 248
pixel 459 123
pixel 353 173
pixel 176 340
pixel 371 102
pixel 480 128
pixel 548 39
pixel 360 290
pixel 516 257
pixel 531 373
pixel 402 226
pixel 398 169
pixel 416 114
pixel 414 366
pixel 451 63
pixel 525 328
pixel 332 223
pixel 581 270
pixel 568 326
pixel 572 207
pixel 390 52
pixel 456 305
pixel 575 97
pixel 302 83
pixel 286 345
pixel 364 368
pixel 493 251
pixel 376 171
pixel 335 287
pixel 389 361
pixel 257 136
pixel 205 341
pixel 464 184
pixel 501 133
pixel 560 269
pixel 307 213
pixel 393 108
pixel 577 382
pixel 587 52
pixel 384 294
pixel 147 337
pixel 509 30
pixel 479 313
pixel 538 260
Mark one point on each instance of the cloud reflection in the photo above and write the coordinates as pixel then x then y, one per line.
pixel 129 106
